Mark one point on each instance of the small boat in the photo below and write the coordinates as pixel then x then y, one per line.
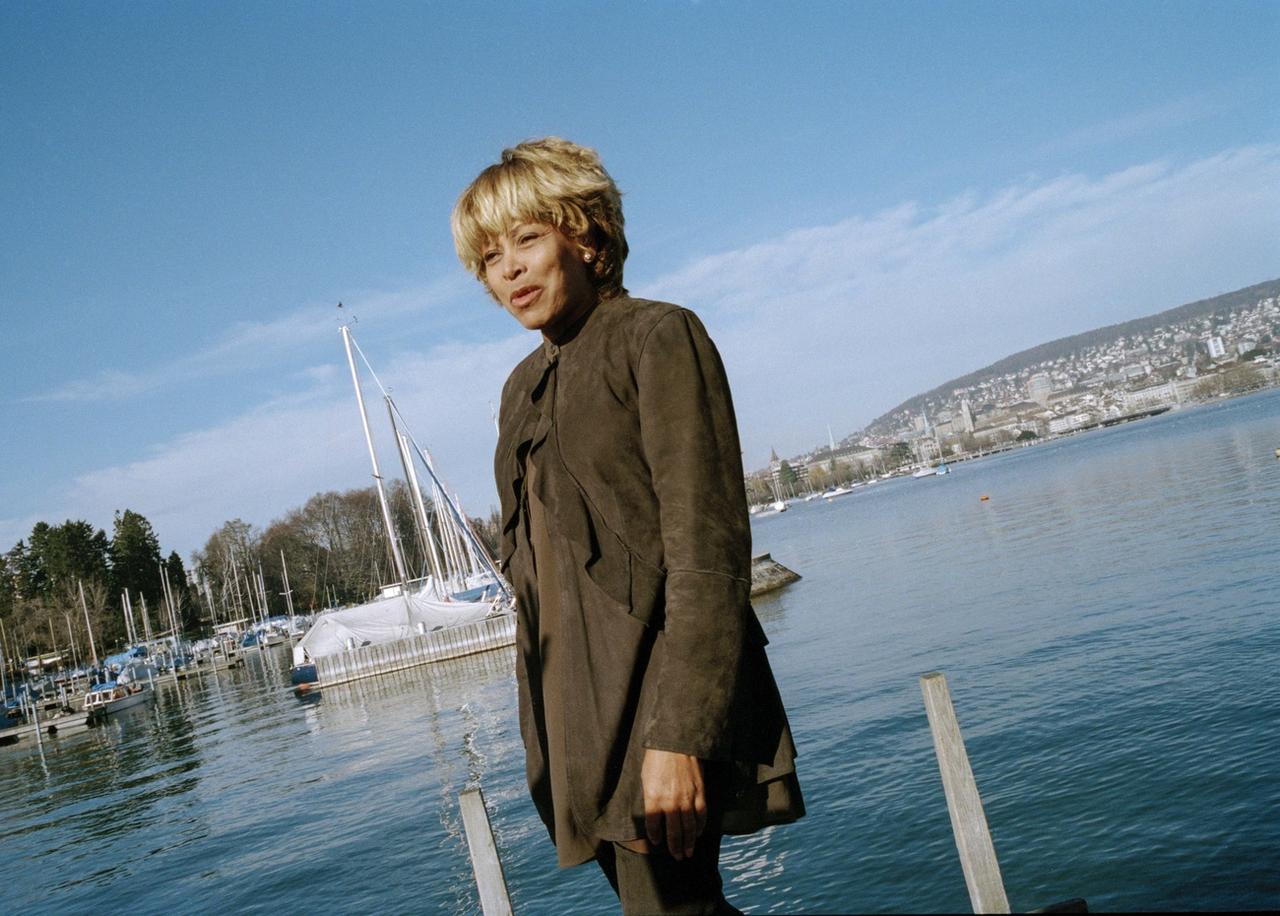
pixel 113 696
pixel 60 722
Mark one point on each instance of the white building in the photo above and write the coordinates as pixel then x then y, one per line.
pixel 1039 387
pixel 1065 424
pixel 1166 395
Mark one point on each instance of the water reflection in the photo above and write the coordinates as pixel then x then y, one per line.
pixel 771 609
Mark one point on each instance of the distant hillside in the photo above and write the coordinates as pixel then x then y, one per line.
pixel 1065 346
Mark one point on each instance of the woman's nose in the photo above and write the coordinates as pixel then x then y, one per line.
pixel 511 266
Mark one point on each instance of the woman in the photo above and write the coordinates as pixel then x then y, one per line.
pixel 651 721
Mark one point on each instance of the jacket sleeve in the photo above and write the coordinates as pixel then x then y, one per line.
pixel 690 440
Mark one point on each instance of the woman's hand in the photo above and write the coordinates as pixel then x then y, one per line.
pixel 674 800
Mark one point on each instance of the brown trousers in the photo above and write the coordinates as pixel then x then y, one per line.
pixel 658 884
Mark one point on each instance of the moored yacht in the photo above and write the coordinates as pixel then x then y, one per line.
pixel 113 696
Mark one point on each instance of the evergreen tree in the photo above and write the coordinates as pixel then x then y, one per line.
pixel 73 551
pixel 8 585
pixel 188 608
pixel 32 579
pixel 26 574
pixel 135 557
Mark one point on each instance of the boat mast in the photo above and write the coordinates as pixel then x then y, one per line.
pixel 447 533
pixel 248 596
pixel 173 607
pixel 128 619
pixel 262 594
pixel 75 650
pixel 454 513
pixel 373 459
pixel 208 597
pixel 146 618
pixel 288 592
pixel 424 523
pixel 84 605
pixel 466 553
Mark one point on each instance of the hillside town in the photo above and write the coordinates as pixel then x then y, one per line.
pixel 1128 377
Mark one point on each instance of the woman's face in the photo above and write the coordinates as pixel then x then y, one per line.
pixel 540 276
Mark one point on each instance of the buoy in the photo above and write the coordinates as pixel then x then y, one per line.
pixel 984 499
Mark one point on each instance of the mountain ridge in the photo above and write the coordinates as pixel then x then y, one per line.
pixel 1064 346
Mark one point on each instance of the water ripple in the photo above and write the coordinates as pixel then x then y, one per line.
pixel 1106 621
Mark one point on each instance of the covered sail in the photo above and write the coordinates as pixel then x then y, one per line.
pixel 384 620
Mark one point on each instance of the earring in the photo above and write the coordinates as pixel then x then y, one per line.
pixel 587 257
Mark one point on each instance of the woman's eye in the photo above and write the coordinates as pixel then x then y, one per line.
pixel 490 257
pixel 528 237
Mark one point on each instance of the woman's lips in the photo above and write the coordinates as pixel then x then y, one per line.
pixel 524 296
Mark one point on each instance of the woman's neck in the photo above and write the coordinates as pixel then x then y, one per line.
pixel 568 327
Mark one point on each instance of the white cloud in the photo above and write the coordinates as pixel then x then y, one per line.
pixel 838 323
pixel 255 343
pixel 1173 113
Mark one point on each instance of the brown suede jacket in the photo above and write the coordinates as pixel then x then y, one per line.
pixel 642 482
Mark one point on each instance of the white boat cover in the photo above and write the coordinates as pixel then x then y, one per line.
pixel 384 620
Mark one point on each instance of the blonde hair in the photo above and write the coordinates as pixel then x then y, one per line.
pixel 548 181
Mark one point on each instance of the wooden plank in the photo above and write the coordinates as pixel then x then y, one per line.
pixel 490 881
pixel 968 820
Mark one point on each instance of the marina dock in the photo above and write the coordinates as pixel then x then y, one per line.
pixel 438 645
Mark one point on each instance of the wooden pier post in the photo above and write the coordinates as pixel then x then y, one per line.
pixel 35 719
pixel 490 880
pixel 968 820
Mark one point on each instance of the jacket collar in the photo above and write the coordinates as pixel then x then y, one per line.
pixel 551 350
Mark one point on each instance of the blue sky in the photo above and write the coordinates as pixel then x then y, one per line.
pixel 861 200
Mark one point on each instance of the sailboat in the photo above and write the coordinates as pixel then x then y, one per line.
pixel 941 468
pixel 461 605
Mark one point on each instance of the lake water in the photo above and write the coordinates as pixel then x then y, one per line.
pixel 1107 621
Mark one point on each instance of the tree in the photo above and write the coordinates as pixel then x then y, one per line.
pixel 759 490
pixel 1237 378
pixel 104 616
pixel 899 454
pixel 186 609
pixel 24 571
pixel 820 478
pixel 135 557
pixel 489 532
pixel 8 583
pixel 74 551
pixel 226 564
